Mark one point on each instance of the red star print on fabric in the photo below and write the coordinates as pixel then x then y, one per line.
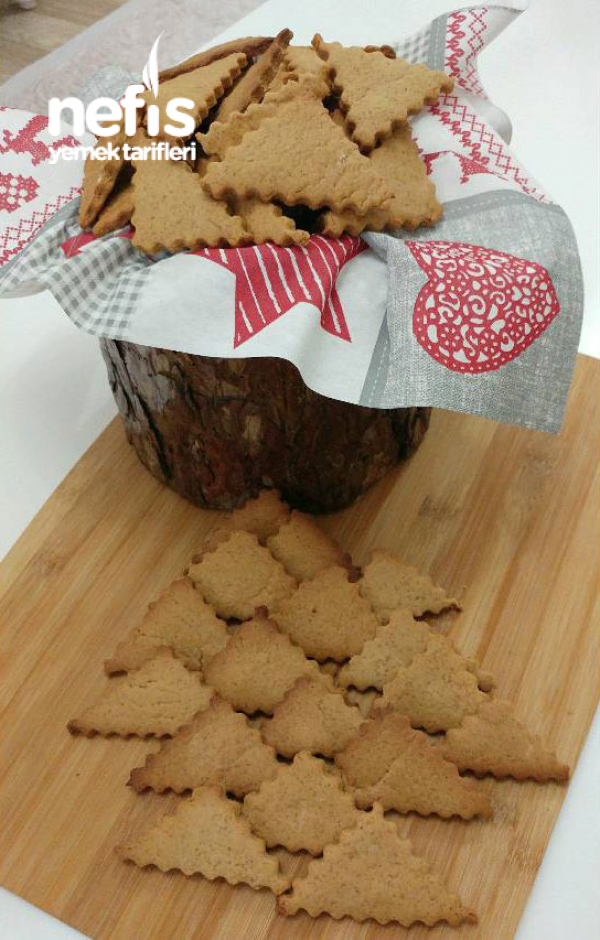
pixel 270 280
pixel 479 308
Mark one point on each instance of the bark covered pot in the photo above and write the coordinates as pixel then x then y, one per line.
pixel 218 430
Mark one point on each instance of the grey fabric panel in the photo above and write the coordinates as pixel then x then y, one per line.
pixel 530 390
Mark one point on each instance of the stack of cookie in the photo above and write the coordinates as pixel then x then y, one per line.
pixel 301 699
pixel 290 140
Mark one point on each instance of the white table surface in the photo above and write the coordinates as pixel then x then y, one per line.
pixel 54 398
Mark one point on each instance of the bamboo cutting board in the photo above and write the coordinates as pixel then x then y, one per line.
pixel 509 518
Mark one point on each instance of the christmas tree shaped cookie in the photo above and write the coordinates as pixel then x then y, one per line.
pixel 388 583
pixel 257 667
pixel 217 747
pixel 327 617
pixel 436 691
pixel 156 699
pixel 181 620
pixel 378 93
pixel 303 807
pixel 390 763
pixel 207 835
pixel 493 741
pixel 372 873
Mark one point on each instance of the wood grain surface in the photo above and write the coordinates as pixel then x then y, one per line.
pixel 507 517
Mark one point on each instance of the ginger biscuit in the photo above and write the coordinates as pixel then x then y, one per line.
pixel 377 93
pixel 388 583
pixel 372 873
pixel 304 548
pixel 395 644
pixel 204 86
pixel 327 616
pixel 241 575
pixel 436 691
pixel 207 835
pixel 414 203
pixel 250 45
pixel 154 700
pixel 255 81
pixel 313 716
pixel 172 211
pixel 390 763
pixel 257 667
pixel 266 222
pixel 116 211
pixel 298 156
pixel 217 747
pixel 303 808
pixel 181 620
pixel 99 178
pixel 493 741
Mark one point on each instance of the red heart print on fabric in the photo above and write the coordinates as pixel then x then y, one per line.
pixel 480 308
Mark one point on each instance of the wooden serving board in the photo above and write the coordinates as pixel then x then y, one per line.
pixel 506 517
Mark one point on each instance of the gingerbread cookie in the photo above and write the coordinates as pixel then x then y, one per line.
pixel 388 583
pixel 377 93
pixel 254 83
pixel 372 873
pixel 217 747
pixel 303 808
pixel 493 741
pixel 304 548
pixel 241 575
pixel 156 699
pixel 257 667
pixel 207 835
pixel 313 717
pixel 181 620
pixel 326 616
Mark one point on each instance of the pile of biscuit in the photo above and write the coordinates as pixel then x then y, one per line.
pixel 300 700
pixel 290 140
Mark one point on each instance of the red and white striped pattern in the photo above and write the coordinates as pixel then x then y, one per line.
pixel 270 280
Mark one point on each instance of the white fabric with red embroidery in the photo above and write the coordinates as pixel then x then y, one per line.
pixel 480 314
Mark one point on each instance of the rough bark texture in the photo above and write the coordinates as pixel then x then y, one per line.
pixel 218 430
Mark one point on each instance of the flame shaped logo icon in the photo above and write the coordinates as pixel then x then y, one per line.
pixel 150 72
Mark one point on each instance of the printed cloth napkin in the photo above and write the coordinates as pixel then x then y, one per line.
pixel 479 314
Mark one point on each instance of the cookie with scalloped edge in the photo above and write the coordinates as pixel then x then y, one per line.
pixel 365 701
pixel 313 716
pixel 414 203
pixel 116 211
pixel 395 644
pixel 261 515
pixel 327 616
pixel 299 156
pixel 218 747
pixel 390 763
pixel 377 93
pixel 257 667
pixel 250 45
pixel 181 620
pixel 207 835
pixel 388 583
pixel 493 741
pixel 255 81
pixel 304 548
pixel 266 222
pixel 239 576
pixel 371 872
pixel 99 177
pixel 154 700
pixel 303 808
pixel 436 691
pixel 203 86
pixel 172 211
